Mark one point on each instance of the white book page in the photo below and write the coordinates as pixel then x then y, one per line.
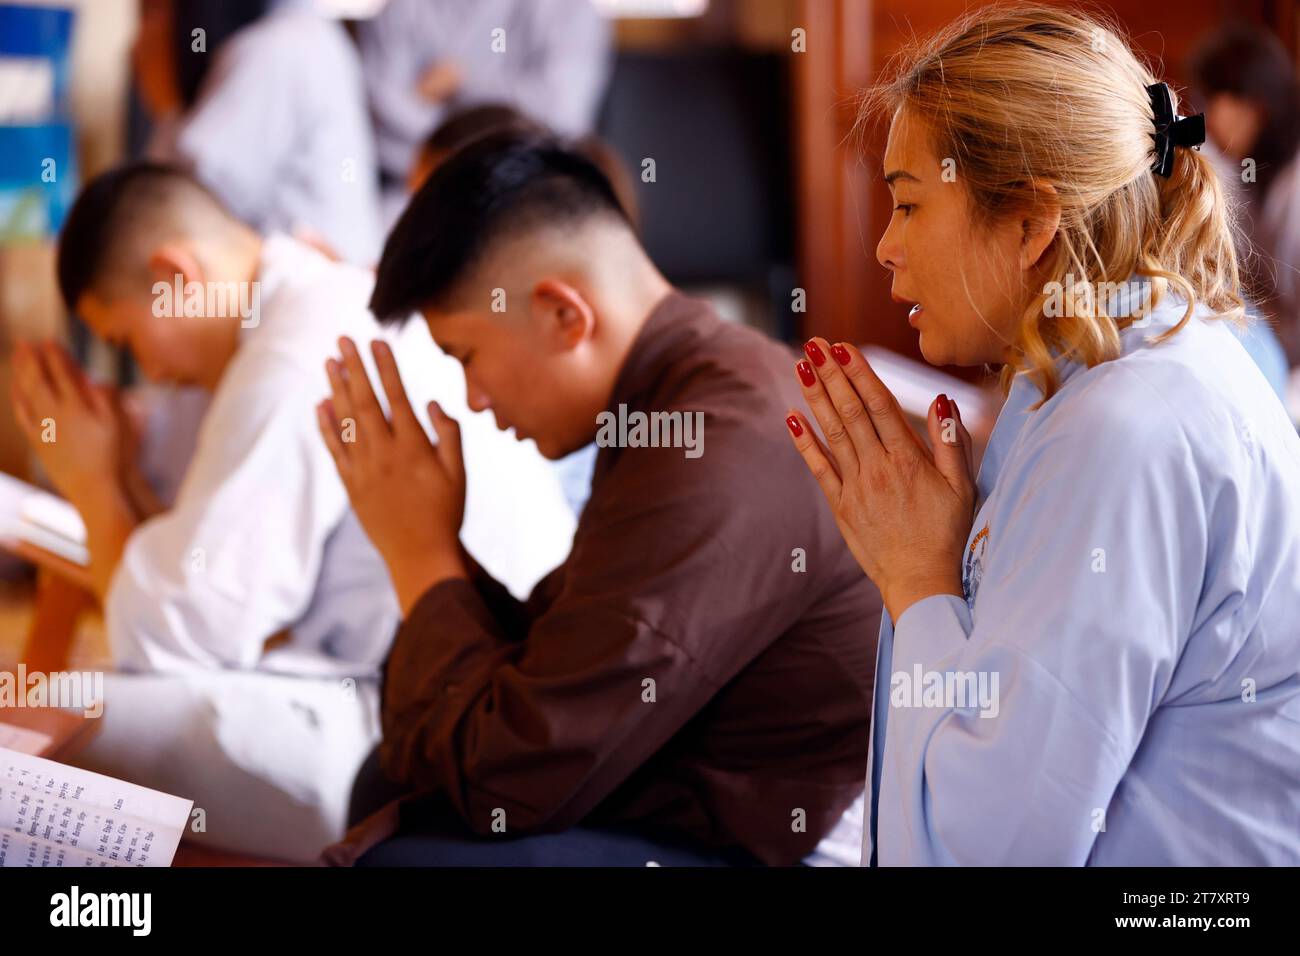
pixel 29 514
pixel 54 515
pixel 55 815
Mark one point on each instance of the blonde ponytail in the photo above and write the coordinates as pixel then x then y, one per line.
pixel 1194 247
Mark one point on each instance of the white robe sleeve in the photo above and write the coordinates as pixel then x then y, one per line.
pixel 237 558
pixel 1096 553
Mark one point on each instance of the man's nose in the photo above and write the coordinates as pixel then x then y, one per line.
pixel 476 398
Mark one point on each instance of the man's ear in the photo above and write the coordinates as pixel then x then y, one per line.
pixel 565 312
pixel 172 259
pixel 1040 224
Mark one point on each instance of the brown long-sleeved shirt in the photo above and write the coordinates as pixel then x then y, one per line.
pixel 703 659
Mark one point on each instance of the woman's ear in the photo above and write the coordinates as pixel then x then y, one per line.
pixel 565 313
pixel 1040 224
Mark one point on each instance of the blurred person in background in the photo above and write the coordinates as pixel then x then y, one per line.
pixel 269 113
pixel 461 128
pixel 426 59
pixel 1248 84
pixel 1259 337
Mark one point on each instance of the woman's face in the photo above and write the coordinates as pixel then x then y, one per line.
pixel 966 277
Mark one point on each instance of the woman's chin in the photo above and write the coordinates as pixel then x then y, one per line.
pixel 934 350
pixel 938 350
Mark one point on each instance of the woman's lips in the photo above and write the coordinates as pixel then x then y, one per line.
pixel 914 315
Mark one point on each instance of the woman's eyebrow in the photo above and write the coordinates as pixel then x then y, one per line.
pixel 897 174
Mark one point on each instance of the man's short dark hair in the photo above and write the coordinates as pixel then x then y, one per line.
pixel 110 213
pixel 499 186
pixel 468 125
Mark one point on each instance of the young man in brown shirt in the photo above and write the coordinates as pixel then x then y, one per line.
pixel 698 673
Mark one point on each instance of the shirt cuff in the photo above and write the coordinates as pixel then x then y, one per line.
pixel 932 629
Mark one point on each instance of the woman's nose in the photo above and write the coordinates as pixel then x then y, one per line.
pixel 889 251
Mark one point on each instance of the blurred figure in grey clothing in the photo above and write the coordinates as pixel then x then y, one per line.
pixel 425 59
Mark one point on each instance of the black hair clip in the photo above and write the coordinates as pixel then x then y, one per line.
pixel 1171 129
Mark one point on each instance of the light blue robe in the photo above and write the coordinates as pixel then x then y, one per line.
pixel 1133 597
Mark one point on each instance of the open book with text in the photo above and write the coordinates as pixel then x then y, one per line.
pixel 55 815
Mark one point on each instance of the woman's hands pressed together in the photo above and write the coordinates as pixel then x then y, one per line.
pixel 905 512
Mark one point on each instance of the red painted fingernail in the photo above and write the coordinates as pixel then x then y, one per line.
pixel 806 374
pixel 841 354
pixel 943 407
pixel 815 353
pixel 795 428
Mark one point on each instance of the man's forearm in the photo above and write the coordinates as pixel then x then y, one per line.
pixel 412 577
pixel 110 518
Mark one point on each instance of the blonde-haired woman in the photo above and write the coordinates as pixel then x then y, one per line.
pixel 1102 666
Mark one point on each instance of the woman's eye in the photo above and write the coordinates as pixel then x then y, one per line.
pixel 905 207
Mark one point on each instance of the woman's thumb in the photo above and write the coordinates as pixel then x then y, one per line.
pixel 946 438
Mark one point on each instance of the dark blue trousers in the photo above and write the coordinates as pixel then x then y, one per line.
pixel 431 834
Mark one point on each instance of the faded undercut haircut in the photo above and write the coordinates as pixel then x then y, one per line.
pixel 499 187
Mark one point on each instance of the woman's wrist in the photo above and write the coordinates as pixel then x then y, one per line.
pixel 902 596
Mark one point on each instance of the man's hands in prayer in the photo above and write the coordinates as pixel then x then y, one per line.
pixel 81 436
pixel 408 493
pixel 73 425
